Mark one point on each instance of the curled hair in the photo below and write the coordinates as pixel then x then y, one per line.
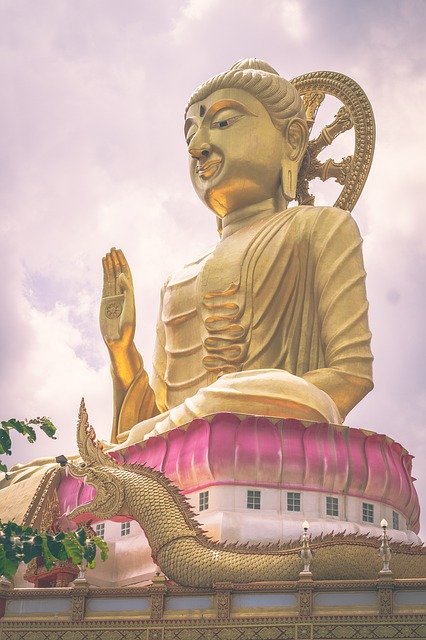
pixel 278 96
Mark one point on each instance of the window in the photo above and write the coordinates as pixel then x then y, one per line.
pixel 367 512
pixel 332 506
pixel 125 528
pixel 203 500
pixel 253 499
pixel 100 529
pixel 395 520
pixel 293 501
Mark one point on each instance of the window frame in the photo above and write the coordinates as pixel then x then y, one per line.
pixel 203 500
pixel 368 512
pixel 396 519
pixel 332 506
pixel 253 499
pixel 294 500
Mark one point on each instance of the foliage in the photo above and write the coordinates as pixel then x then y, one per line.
pixel 23 544
pixel 24 427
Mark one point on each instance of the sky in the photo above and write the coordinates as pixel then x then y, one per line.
pixel 92 155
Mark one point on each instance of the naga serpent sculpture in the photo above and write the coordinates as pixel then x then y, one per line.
pixel 186 555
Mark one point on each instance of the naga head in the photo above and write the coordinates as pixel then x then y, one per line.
pixel 99 470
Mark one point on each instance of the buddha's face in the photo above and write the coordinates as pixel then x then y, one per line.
pixel 235 151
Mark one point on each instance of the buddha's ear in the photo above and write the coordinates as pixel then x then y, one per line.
pixel 295 142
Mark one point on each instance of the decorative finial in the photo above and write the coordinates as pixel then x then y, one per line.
pixel 385 550
pixel 305 552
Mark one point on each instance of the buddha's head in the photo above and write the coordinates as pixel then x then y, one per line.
pixel 247 134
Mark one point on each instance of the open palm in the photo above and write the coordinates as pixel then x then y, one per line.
pixel 117 313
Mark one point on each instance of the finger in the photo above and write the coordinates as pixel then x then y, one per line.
pixel 105 288
pixel 124 265
pixel 125 284
pixel 110 274
pixel 117 270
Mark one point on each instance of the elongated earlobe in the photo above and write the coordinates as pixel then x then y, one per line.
pixel 296 138
pixel 289 170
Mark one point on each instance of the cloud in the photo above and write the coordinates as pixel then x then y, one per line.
pixel 192 14
pixel 294 20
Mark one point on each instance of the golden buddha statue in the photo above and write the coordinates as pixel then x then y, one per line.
pixel 273 321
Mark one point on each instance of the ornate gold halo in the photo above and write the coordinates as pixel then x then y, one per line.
pixel 356 112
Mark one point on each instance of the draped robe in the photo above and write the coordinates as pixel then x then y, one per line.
pixel 272 322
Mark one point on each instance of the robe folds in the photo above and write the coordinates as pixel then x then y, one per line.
pixel 272 322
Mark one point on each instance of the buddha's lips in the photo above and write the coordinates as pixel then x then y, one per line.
pixel 205 168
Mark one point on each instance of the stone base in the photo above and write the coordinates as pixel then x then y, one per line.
pixel 303 609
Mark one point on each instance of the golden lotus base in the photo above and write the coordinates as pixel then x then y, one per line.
pixel 305 609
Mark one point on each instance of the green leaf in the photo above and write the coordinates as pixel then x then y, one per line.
pixel 12 529
pixel 48 558
pixel 46 425
pixel 10 567
pixel 102 546
pixel 3 467
pixel 5 441
pixel 56 548
pixel 25 543
pixel 29 432
pixel 30 551
pixel 73 548
pixel 59 536
pixel 81 535
pixel 9 563
pixel 89 553
pixel 2 560
pixel 21 426
pixel 12 424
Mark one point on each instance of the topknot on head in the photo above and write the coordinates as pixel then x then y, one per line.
pixel 253 63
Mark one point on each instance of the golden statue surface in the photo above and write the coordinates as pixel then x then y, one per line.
pixel 272 321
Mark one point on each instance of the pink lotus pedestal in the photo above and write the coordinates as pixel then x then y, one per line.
pixel 295 467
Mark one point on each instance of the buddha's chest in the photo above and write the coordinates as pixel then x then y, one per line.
pixel 211 306
pixel 211 286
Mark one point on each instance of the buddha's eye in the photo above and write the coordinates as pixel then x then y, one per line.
pixel 223 124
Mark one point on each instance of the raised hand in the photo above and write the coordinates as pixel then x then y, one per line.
pixel 117 316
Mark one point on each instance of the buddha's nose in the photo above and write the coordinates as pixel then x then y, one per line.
pixel 202 151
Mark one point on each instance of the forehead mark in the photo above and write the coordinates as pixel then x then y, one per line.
pixel 225 103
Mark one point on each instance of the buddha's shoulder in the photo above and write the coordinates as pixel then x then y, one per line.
pixel 307 220
pixel 310 215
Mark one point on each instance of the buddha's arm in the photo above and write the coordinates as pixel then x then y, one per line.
pixel 139 401
pixel 342 307
pixel 134 399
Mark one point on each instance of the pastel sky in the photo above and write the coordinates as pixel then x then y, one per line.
pixel 92 155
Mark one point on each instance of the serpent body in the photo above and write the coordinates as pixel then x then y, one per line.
pixel 186 555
